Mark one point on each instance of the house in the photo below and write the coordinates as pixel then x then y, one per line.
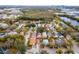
pixel 59 41
pixel 32 41
pixel 33 34
pixel 49 34
pixel 39 25
pixel 44 35
pixel 4 25
pixel 39 36
pixel 45 42
pixel 68 37
pixel 55 34
pixel 52 28
pixel 43 25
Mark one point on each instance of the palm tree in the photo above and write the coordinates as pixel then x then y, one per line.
pixel 52 42
pixel 69 43
pixel 59 51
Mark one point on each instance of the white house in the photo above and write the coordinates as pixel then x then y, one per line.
pixel 44 35
pixel 4 25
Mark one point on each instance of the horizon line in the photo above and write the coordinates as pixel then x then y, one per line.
pixel 38 5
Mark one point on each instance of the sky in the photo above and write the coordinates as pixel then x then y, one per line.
pixel 39 2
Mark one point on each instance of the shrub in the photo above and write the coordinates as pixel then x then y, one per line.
pixel 30 25
pixel 41 29
pixel 68 51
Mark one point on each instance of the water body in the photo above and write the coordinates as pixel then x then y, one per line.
pixel 73 22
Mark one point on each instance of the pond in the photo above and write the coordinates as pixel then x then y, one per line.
pixel 73 22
